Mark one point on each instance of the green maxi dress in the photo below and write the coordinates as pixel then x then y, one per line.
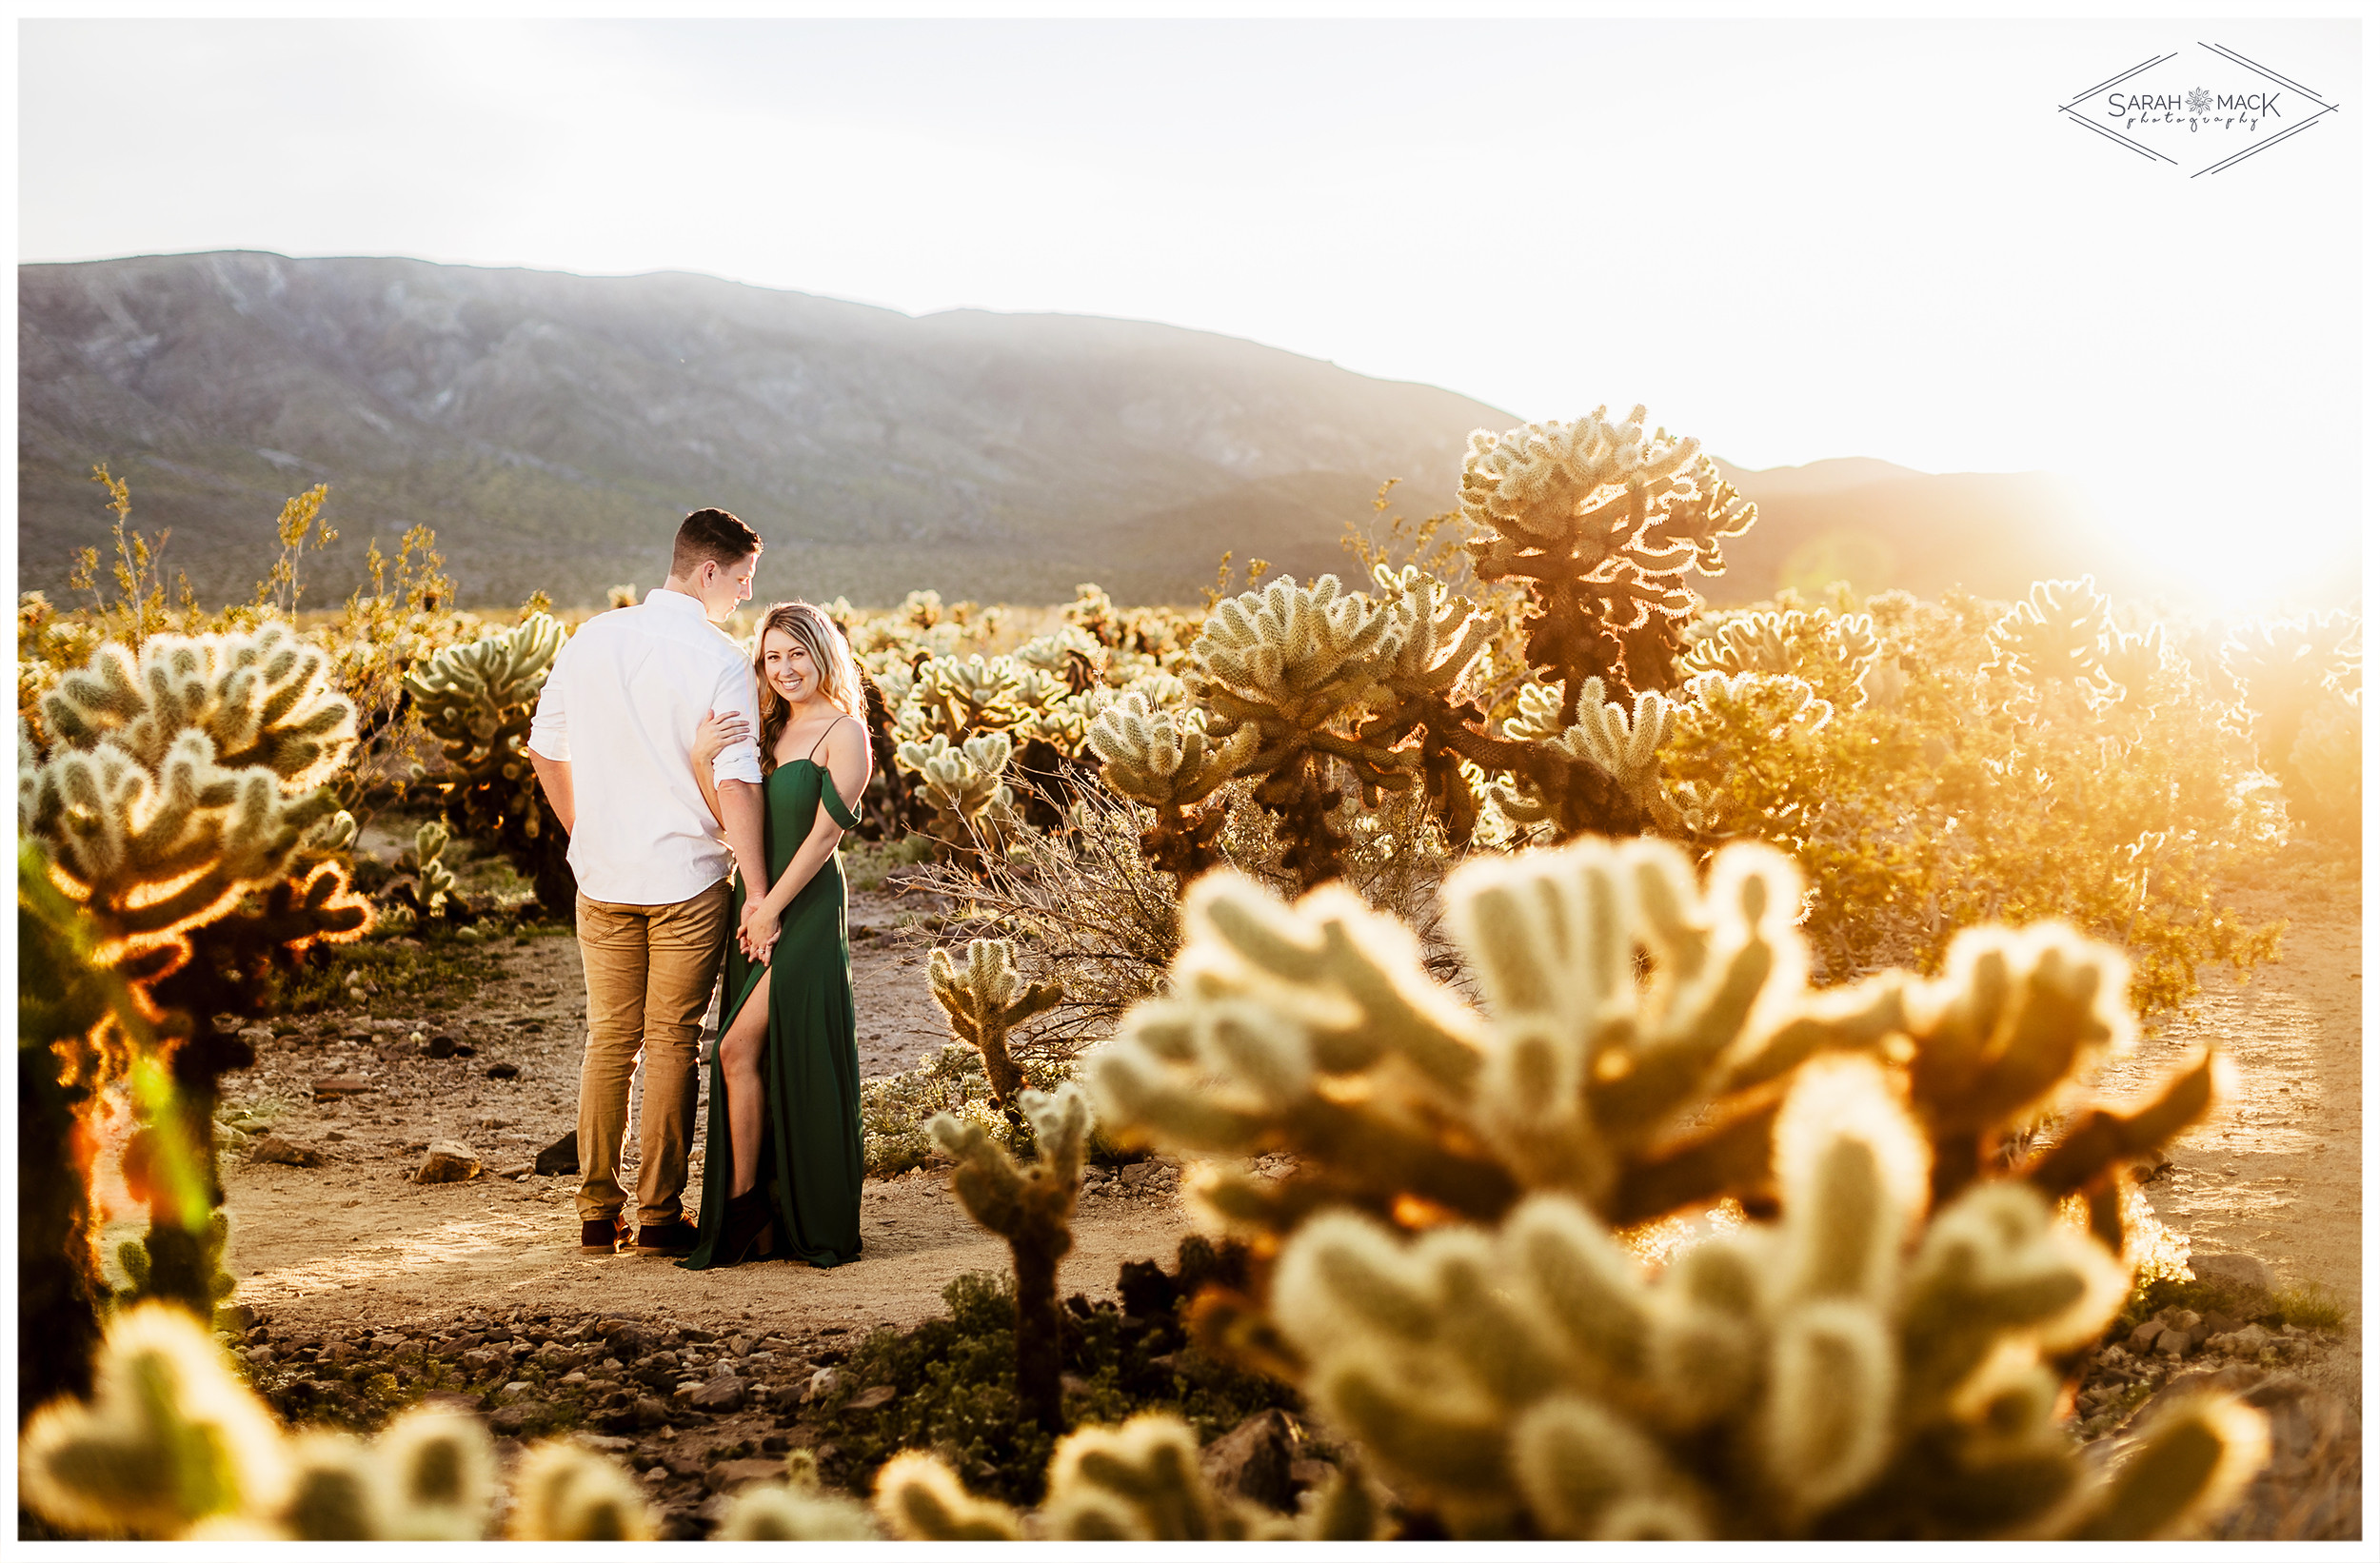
pixel 811 1161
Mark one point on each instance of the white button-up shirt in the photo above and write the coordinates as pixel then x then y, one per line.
pixel 620 705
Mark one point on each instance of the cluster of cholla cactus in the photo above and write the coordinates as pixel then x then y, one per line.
pixel 1645 1046
pixel 1835 654
pixel 2063 641
pixel 477 700
pixel 178 784
pixel 172 1446
pixel 986 999
pixel 2287 670
pixel 1138 1482
pixel 1029 1206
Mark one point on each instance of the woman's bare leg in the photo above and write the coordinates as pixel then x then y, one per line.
pixel 740 1072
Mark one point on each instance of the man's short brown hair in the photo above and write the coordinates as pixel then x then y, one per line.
pixel 715 536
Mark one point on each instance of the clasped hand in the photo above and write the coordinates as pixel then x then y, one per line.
pixel 757 934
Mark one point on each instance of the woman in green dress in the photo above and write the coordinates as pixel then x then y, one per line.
pixel 782 1162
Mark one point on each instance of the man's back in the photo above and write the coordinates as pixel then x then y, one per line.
pixel 621 706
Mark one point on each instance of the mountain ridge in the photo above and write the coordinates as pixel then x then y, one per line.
pixel 551 427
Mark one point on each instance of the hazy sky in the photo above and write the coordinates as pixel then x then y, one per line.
pixel 1794 239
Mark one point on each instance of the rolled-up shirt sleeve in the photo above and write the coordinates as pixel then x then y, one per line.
pixel 739 762
pixel 549 729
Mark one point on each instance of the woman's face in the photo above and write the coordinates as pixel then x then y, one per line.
pixel 786 666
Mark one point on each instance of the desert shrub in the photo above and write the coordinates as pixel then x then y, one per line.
pixel 955 1383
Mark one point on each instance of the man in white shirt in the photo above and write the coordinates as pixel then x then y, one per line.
pixel 612 743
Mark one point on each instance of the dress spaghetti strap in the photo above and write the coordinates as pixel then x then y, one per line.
pixel 827 734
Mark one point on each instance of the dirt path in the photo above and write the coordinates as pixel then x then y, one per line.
pixel 2276 1169
pixel 354 1241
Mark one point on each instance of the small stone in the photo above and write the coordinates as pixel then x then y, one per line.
pixel 279 1152
pixel 576 1376
pixel 723 1393
pixel 259 1357
pixel 559 1158
pixel 740 1345
pixel 2174 1342
pixel 503 1071
pixel 649 1411
pixel 335 1086
pixel 1138 1172
pixel 478 1360
pixel 822 1382
pixel 513 1418
pixel 438 1047
pixel 447 1161
pixel 729 1474
pixel 2244 1270
pixel 871 1399
pixel 1252 1461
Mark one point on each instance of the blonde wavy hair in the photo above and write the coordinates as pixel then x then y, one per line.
pixel 840 680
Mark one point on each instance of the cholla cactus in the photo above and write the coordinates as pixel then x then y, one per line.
pixel 1643 1046
pixel 1855 1371
pixel 1032 1209
pixel 180 782
pixel 1072 656
pixel 2329 759
pixel 2054 633
pixel 984 1000
pixel 1162 758
pixel 478 700
pixel 962 784
pixel 434 882
pixel 960 697
pixel 170 1439
pixel 1602 522
pixel 794 1512
pixel 922 1499
pixel 1314 1029
pixel 1138 1482
pixel 566 1493
pixel 2134 665
pixel 1301 665
pixel 1833 653
pixel 1624 745
pixel 2283 667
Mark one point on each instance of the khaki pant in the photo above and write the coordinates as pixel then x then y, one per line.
pixel 650 973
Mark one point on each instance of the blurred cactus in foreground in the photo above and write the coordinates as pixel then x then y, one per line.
pixel 1852 1371
pixel 985 999
pixel 1138 1482
pixel 1031 1207
pixel 477 701
pixel 1646 1045
pixel 173 1446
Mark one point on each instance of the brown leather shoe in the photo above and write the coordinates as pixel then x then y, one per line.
pixel 667 1238
pixel 601 1236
